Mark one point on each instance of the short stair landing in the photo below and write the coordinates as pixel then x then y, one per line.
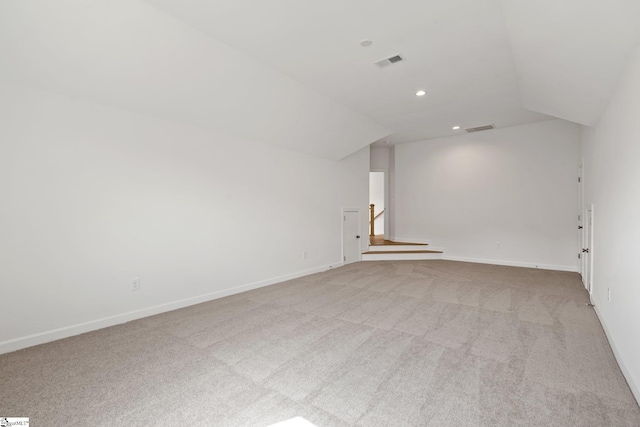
pixel 383 250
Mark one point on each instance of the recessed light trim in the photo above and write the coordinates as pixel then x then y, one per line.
pixel 455 127
pixel 366 43
pixel 421 93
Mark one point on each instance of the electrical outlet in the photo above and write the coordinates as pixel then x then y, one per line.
pixel 304 255
pixel 609 294
pixel 135 284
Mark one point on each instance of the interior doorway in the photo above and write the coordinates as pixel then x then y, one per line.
pixel 585 236
pixel 581 231
pixel 379 198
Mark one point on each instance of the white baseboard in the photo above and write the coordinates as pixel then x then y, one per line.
pixel 573 269
pixel 93 325
pixel 625 372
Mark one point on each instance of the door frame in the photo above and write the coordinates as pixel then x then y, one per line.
pixel 589 245
pixel 342 214
pixel 581 222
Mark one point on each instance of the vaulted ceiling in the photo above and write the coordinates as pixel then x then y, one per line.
pixel 293 73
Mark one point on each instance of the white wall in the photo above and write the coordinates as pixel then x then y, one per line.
pixel 379 158
pixel 516 186
pixel 611 154
pixel 93 196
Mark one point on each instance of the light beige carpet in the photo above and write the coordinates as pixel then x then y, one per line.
pixel 408 343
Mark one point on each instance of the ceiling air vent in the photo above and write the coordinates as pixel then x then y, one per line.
pixel 480 128
pixel 389 61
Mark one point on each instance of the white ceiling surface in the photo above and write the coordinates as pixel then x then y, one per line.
pixel 292 72
pixel 482 62
pixel 569 54
pixel 129 55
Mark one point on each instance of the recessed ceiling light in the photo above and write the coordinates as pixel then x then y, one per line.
pixel 455 127
pixel 366 43
pixel 421 93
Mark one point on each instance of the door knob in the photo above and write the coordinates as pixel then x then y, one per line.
pixel 357 237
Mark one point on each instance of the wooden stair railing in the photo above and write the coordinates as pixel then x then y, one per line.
pixel 372 215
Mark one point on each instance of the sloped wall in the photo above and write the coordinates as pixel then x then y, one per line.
pixel 611 154
pixel 130 55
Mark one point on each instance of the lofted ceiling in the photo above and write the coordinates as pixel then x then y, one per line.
pixel 306 83
pixel 481 62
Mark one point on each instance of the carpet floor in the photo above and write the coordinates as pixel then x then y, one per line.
pixel 407 343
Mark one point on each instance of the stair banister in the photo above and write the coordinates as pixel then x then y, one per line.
pixel 372 220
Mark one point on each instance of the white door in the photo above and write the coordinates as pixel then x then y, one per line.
pixel 351 235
